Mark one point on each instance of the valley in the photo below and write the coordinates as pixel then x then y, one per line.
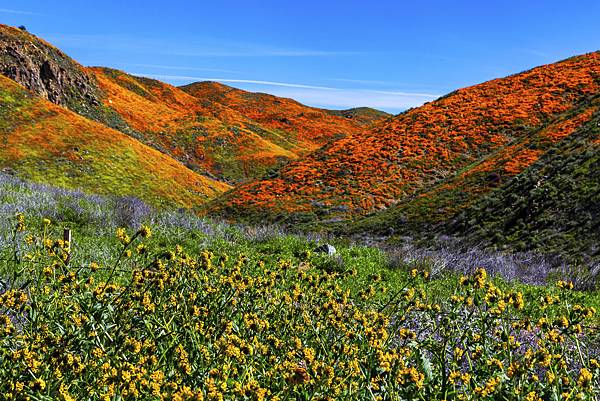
pixel 206 242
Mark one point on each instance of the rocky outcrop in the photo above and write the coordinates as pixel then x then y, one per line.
pixel 47 72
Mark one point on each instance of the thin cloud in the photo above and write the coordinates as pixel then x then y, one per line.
pixel 362 81
pixel 244 81
pixel 535 52
pixel 265 52
pixel 273 83
pixel 180 68
pixel 19 12
pixel 384 83
pixel 349 98
pixel 397 93
pixel 323 96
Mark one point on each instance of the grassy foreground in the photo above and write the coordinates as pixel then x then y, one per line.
pixel 184 308
pixel 221 318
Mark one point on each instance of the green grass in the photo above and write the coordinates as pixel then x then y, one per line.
pixel 225 312
pixel 185 315
pixel 94 220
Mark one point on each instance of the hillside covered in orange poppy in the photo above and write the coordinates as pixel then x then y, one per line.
pixel 226 139
pixel 213 140
pixel 308 128
pixel 46 143
pixel 229 138
pixel 469 141
pixel 438 205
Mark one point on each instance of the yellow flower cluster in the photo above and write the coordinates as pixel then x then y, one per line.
pixel 164 324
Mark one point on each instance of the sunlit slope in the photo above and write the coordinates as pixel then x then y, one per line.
pixel 229 142
pixel 208 138
pixel 430 210
pixel 421 148
pixel 50 144
pixel 308 128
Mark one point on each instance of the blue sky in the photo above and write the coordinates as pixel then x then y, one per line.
pixel 338 54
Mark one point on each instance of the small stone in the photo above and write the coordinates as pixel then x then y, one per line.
pixel 326 248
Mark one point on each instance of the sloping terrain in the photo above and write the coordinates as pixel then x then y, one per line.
pixel 552 207
pixel 211 138
pixel 46 143
pixel 219 140
pixel 422 147
pixel 229 143
pixel 430 210
pixel 308 128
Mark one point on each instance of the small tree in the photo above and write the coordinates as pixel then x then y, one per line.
pixel 23 28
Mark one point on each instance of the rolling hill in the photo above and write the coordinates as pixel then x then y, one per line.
pixel 432 208
pixel 233 138
pixel 423 148
pixel 229 141
pixel 211 139
pixel 46 143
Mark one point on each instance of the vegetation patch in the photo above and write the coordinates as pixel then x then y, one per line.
pixel 274 321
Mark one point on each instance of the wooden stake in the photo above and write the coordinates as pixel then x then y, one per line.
pixel 67 236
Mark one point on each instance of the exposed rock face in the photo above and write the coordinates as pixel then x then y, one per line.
pixel 47 72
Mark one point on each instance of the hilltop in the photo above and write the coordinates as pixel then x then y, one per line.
pixel 405 156
pixel 224 140
pixel 308 127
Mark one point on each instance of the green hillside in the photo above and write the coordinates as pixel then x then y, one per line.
pixel 552 207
